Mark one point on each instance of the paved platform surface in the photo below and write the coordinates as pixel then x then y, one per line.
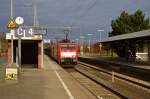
pixel 121 63
pixel 51 82
pixel 3 62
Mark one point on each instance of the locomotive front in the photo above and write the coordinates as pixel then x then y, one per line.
pixel 68 53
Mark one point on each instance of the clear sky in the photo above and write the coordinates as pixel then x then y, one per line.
pixel 84 16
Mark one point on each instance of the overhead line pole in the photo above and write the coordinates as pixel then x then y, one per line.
pixel 11 9
pixel 12 50
pixel 34 16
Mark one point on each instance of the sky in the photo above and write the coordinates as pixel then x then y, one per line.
pixel 83 16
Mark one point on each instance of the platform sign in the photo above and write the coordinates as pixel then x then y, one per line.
pixel 12 24
pixel 24 32
pixel 46 40
pixel 40 31
pixel 29 31
pixel 11 74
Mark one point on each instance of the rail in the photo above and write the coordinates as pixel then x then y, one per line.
pixel 120 84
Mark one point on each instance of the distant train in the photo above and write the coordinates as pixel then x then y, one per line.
pixel 65 52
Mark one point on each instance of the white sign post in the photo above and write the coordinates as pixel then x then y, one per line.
pixel 19 21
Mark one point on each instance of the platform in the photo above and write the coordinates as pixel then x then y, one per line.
pixel 51 82
pixel 140 66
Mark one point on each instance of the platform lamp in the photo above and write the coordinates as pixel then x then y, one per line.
pixel 89 42
pixel 82 45
pixel 100 38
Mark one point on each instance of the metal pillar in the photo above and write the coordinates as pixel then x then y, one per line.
pixel 12 45
pixel 19 54
pixel 42 54
pixel 12 49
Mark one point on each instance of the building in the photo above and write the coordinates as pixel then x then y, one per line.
pixel 27 45
pixel 141 39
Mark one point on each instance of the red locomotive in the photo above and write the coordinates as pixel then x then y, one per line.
pixel 65 52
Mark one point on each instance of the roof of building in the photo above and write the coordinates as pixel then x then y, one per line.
pixel 138 34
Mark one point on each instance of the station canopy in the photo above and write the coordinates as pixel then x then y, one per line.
pixel 139 34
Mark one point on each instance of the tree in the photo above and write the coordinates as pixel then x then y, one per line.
pixel 127 23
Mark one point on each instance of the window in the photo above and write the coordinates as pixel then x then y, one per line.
pixel 67 47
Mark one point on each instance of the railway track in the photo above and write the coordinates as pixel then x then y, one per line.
pixel 144 84
pixel 121 68
pixel 96 89
pixel 122 85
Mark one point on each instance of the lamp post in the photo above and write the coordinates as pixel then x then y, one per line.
pixel 100 34
pixel 81 45
pixel 77 41
pixel 34 7
pixel 11 9
pixel 89 42
pixel 100 38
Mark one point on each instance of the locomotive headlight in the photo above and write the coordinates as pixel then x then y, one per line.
pixel 68 54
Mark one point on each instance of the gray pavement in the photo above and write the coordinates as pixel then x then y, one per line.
pixel 51 82
pixel 3 62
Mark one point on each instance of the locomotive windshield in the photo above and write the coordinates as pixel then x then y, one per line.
pixel 67 47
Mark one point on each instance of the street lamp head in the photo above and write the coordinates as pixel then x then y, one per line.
pixel 28 5
pixel 100 30
pixel 81 36
pixel 89 34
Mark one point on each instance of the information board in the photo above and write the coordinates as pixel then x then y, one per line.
pixel 28 31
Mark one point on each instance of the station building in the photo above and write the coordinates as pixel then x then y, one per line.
pixel 31 49
pixel 141 39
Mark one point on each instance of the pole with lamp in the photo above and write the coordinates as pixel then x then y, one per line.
pixel 89 42
pixel 81 45
pixel 77 41
pixel 100 45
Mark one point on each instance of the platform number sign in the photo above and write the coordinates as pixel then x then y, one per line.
pixel 24 32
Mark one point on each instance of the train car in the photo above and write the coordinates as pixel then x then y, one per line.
pixel 65 52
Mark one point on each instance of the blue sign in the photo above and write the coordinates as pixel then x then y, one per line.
pixel 40 31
